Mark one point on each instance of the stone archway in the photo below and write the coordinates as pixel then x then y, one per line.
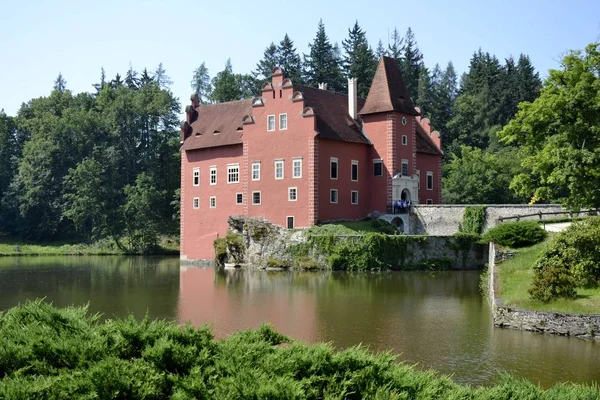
pixel 398 223
pixel 405 195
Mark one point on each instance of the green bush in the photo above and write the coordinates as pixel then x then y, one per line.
pixel 230 245
pixel 515 234
pixel 473 219
pixel 572 260
pixel 384 227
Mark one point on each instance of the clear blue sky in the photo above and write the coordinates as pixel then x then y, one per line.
pixel 39 39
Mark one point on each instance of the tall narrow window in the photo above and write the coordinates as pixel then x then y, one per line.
pixel 377 168
pixel 354 197
pixel 429 180
pixel 196 202
pixel 213 202
pixel 213 175
pixel 333 168
pixel 333 196
pixel 256 171
pixel 290 222
pixel 297 164
pixel 404 140
pixel 282 122
pixel 271 123
pixel 239 198
pixel 404 167
pixel 292 194
pixel 256 198
pixel 233 173
pixel 196 175
pixel 279 169
pixel 354 172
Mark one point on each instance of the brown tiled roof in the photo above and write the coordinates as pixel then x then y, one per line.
pixel 388 91
pixel 331 110
pixel 425 143
pixel 224 118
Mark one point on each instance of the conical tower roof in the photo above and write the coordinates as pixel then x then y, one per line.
pixel 388 91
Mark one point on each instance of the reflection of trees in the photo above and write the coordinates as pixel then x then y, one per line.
pixel 112 285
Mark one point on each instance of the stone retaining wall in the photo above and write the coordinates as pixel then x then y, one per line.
pixel 576 325
pixel 444 219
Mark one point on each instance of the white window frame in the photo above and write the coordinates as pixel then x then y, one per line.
pixel 294 161
pixel 196 176
pixel 230 169
pixel 404 140
pixel 352 164
pixel 286 122
pixel 404 162
pixel 337 196
pixel 429 174
pixel 210 176
pixel 377 161
pixel 295 189
pixel 196 203
pixel 212 201
pixel 282 164
pixel 268 121
pixel 256 164
pixel 259 198
pixel 333 160
pixel 293 222
pixel 352 197
pixel 236 198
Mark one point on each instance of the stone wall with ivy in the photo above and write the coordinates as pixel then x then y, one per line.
pixel 260 244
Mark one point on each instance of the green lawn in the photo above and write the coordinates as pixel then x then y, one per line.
pixel 514 279
pixel 10 246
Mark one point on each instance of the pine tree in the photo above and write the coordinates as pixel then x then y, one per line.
pixel 411 63
pixel 288 58
pixel 146 78
pixel 528 81
pixel 60 84
pixel 380 51
pixel 225 85
pixel 201 83
pixel 131 78
pixel 359 60
pixel 162 79
pixel 425 94
pixel 446 95
pixel 118 81
pixel 322 65
pixel 396 45
pixel 264 68
pixel 99 86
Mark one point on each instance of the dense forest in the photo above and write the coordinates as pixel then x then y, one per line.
pixel 105 164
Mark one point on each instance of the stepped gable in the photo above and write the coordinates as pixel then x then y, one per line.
pixel 331 110
pixel 388 91
pixel 218 125
pixel 424 142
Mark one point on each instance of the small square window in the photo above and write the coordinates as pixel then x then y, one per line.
pixel 256 171
pixel 233 173
pixel 239 198
pixel 282 122
pixel 404 167
pixel 333 196
pixel 196 176
pixel 297 168
pixel 404 140
pixel 256 198
pixel 354 197
pixel 333 168
pixel 213 202
pixel 429 201
pixel 292 194
pixel 354 172
pixel 429 180
pixel 279 169
pixel 270 123
pixel 377 168
pixel 196 202
pixel 213 175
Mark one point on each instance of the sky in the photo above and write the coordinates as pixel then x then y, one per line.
pixel 40 39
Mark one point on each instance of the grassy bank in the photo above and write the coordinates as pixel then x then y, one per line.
pixel 516 274
pixel 10 246
pixel 50 353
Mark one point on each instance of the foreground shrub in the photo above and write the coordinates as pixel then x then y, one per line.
pixel 127 359
pixel 572 260
pixel 515 234
pixel 384 227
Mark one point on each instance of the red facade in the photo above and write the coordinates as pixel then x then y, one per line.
pixel 296 156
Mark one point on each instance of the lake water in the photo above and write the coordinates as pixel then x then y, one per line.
pixel 435 320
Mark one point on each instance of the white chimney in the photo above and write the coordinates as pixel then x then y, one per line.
pixel 352 99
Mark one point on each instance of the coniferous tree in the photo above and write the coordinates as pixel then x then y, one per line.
pixel 8 151
pixel 132 81
pixel 411 63
pixel 359 60
pixel 201 83
pixel 380 51
pixel 425 94
pixel 60 83
pixel 445 96
pixel 288 58
pixel 322 64
pixel 118 81
pixel 264 68
pixel 100 85
pixel 146 78
pixel 396 45
pixel 161 78
pixel 225 85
